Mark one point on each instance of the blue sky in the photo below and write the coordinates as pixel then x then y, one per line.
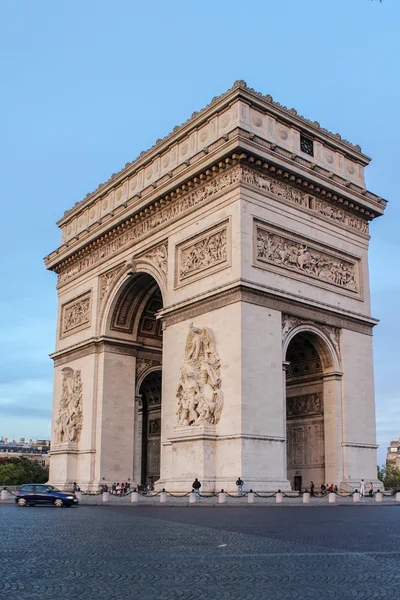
pixel 86 86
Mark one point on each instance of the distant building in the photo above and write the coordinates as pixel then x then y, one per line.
pixel 393 454
pixel 37 451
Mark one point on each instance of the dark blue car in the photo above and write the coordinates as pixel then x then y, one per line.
pixel 40 493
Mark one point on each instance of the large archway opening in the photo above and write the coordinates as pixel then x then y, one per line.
pixel 305 430
pixel 135 324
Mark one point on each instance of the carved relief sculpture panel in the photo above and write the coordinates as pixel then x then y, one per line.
pixel 200 398
pixel 68 426
pixel 75 315
pixel 202 255
pixel 280 250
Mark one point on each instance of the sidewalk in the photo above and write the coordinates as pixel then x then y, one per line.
pixel 230 501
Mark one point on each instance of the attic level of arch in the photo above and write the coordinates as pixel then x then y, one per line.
pixel 349 203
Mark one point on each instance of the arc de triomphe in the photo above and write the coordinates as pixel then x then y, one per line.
pixel 214 310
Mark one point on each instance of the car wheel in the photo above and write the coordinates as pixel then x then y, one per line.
pixel 21 502
pixel 58 502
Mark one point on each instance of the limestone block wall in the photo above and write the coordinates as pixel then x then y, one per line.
pixel 359 429
pixel 115 417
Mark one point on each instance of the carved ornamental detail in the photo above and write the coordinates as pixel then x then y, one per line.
pixel 68 426
pixel 159 257
pixel 144 364
pixel 296 255
pixel 200 398
pixel 333 333
pixel 207 251
pixel 304 406
pixel 304 199
pixel 107 281
pixel 75 315
pixel 132 233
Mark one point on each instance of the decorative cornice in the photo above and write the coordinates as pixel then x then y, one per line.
pixel 93 346
pixel 186 197
pixel 241 293
pixel 239 89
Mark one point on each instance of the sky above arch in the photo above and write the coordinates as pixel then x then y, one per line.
pixel 86 86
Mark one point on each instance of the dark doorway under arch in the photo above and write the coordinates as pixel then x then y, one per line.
pixel 305 414
pixel 150 392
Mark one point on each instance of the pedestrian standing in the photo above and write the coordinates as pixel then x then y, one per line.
pixel 312 488
pixel 196 485
pixel 371 489
pixel 362 488
pixel 239 483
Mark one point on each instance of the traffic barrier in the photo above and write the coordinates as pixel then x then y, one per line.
pixel 378 496
pixel 222 497
pixel 163 497
pixel 306 498
pixel 279 497
pixel 4 494
pixel 192 498
pixel 332 498
pixel 79 496
pixel 398 497
pixel 106 496
pixel 250 497
pixel 356 496
pixel 134 497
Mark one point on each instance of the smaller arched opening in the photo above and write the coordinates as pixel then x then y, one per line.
pixel 312 404
pixel 149 426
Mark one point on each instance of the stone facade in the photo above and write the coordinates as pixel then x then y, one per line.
pixel 214 314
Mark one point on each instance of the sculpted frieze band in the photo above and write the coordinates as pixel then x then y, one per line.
pixel 304 199
pixel 202 253
pixel 160 217
pixel 304 405
pixel 295 254
pixel 75 315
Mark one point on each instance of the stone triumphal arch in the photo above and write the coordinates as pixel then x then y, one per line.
pixel 214 310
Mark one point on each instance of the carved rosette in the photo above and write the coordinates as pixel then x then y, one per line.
pixel 200 398
pixel 68 426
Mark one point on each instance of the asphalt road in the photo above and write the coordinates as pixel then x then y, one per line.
pixel 213 553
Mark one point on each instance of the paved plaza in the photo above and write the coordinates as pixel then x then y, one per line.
pixel 200 552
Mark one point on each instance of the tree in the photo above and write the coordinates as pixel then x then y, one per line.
pixel 15 471
pixel 389 474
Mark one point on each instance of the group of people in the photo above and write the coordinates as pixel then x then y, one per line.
pixel 325 489
pixel 196 485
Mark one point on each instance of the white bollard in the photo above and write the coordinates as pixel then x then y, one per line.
pixel 332 498
pixel 306 498
pixel 4 494
pixel 398 497
pixel 163 497
pixel 134 497
pixel 106 496
pixel 378 496
pixel 356 497
pixel 192 498
pixel 79 496
pixel 250 498
pixel 279 498
pixel 222 497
